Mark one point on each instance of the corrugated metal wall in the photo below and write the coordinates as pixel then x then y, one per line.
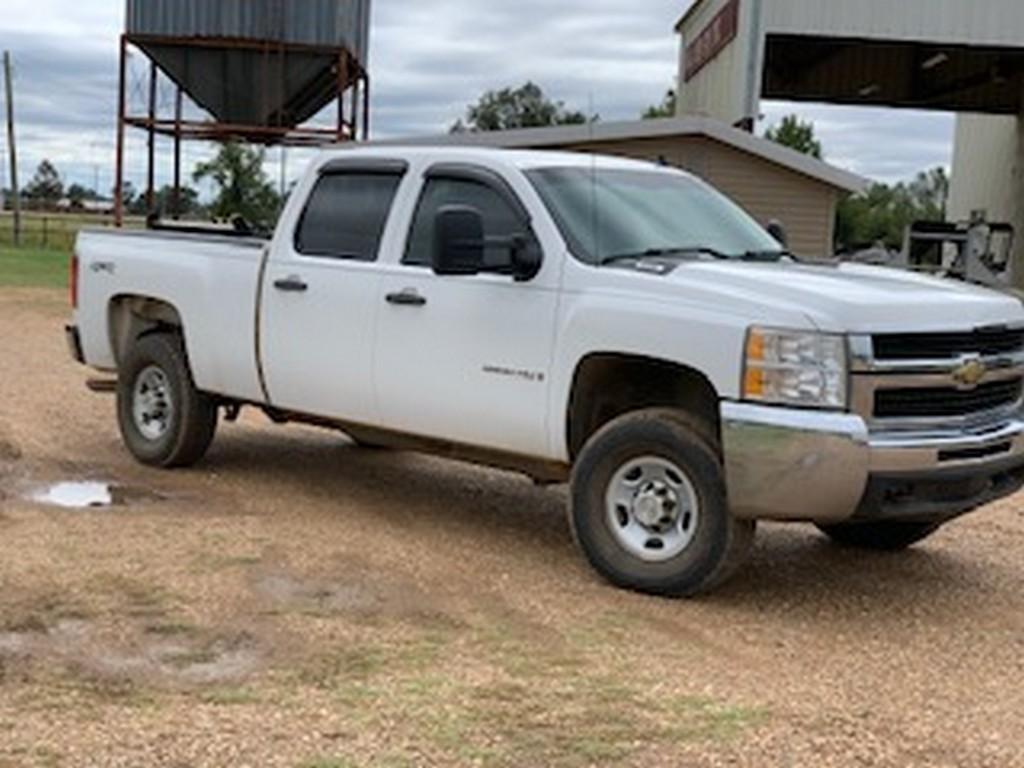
pixel 984 166
pixel 966 22
pixel 719 89
pixel 334 23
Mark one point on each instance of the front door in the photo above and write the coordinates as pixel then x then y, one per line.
pixel 466 359
pixel 319 299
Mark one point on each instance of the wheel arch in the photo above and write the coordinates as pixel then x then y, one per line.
pixel 131 316
pixel 606 385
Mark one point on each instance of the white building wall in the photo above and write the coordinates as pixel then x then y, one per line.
pixel 964 22
pixel 723 88
pixel 988 174
pixel 988 170
pixel 719 90
pixel 983 167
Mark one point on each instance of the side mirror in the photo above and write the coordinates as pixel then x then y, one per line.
pixel 777 230
pixel 458 241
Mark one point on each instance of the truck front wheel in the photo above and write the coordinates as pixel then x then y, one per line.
pixel 649 506
pixel 165 421
pixel 881 537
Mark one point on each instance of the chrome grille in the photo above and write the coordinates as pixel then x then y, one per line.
pixel 945 346
pixel 939 402
pixel 937 381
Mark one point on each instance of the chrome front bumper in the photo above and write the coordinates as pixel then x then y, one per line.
pixel 788 464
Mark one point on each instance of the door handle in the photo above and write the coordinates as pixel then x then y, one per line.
pixel 407 298
pixel 291 284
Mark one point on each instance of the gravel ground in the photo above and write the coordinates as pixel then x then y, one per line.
pixel 298 602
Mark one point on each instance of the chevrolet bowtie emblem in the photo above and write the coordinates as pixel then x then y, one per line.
pixel 970 374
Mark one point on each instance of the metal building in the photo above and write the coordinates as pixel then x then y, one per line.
pixel 259 69
pixel 949 55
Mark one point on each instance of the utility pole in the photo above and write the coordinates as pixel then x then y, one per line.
pixel 11 148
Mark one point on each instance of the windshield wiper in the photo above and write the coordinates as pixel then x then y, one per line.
pixel 651 253
pixel 767 256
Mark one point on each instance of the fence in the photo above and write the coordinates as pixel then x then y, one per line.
pixel 53 231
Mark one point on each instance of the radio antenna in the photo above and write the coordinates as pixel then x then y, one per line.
pixel 595 230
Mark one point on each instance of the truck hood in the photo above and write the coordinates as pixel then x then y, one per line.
pixel 852 298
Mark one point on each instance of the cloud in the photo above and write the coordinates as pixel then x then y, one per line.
pixel 428 60
pixel 885 144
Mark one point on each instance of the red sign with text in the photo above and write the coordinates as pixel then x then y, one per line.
pixel 715 37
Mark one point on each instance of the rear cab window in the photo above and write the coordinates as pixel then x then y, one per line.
pixel 346 214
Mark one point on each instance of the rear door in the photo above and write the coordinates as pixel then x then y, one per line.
pixel 320 292
pixel 466 359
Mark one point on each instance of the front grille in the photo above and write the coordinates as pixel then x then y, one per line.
pixel 943 346
pixel 940 402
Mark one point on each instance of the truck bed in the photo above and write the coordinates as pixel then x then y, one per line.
pixel 210 279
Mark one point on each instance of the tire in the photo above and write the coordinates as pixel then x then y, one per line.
pixel 880 537
pixel 164 420
pixel 649 506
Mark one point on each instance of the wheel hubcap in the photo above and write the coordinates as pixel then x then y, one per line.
pixel 652 508
pixel 152 405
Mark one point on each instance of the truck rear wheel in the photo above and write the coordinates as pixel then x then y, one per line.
pixel 649 506
pixel 882 537
pixel 165 421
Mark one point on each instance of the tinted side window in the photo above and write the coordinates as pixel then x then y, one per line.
pixel 500 220
pixel 346 215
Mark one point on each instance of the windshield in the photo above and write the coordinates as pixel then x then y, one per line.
pixel 607 214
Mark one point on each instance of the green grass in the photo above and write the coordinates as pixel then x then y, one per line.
pixel 50 230
pixel 33 268
pixel 329 762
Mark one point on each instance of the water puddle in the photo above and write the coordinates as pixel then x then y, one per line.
pixel 76 495
pixel 90 495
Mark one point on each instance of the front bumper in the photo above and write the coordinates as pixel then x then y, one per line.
pixel 789 464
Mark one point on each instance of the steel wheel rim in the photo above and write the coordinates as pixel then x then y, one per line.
pixel 652 508
pixel 152 403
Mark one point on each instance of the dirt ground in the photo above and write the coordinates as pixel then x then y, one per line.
pixel 299 602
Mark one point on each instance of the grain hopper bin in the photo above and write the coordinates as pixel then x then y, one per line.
pixel 259 70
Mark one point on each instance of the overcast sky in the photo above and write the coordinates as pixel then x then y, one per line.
pixel 429 59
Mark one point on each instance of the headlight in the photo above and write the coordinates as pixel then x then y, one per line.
pixel 799 368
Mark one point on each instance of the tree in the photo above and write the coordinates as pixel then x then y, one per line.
pixel 525 107
pixel 134 203
pixel 127 192
pixel 667 108
pixel 188 202
pixel 46 189
pixel 243 188
pixel 78 194
pixel 882 214
pixel 796 134
pixel 930 193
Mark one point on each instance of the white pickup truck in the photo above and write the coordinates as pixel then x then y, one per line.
pixel 612 323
